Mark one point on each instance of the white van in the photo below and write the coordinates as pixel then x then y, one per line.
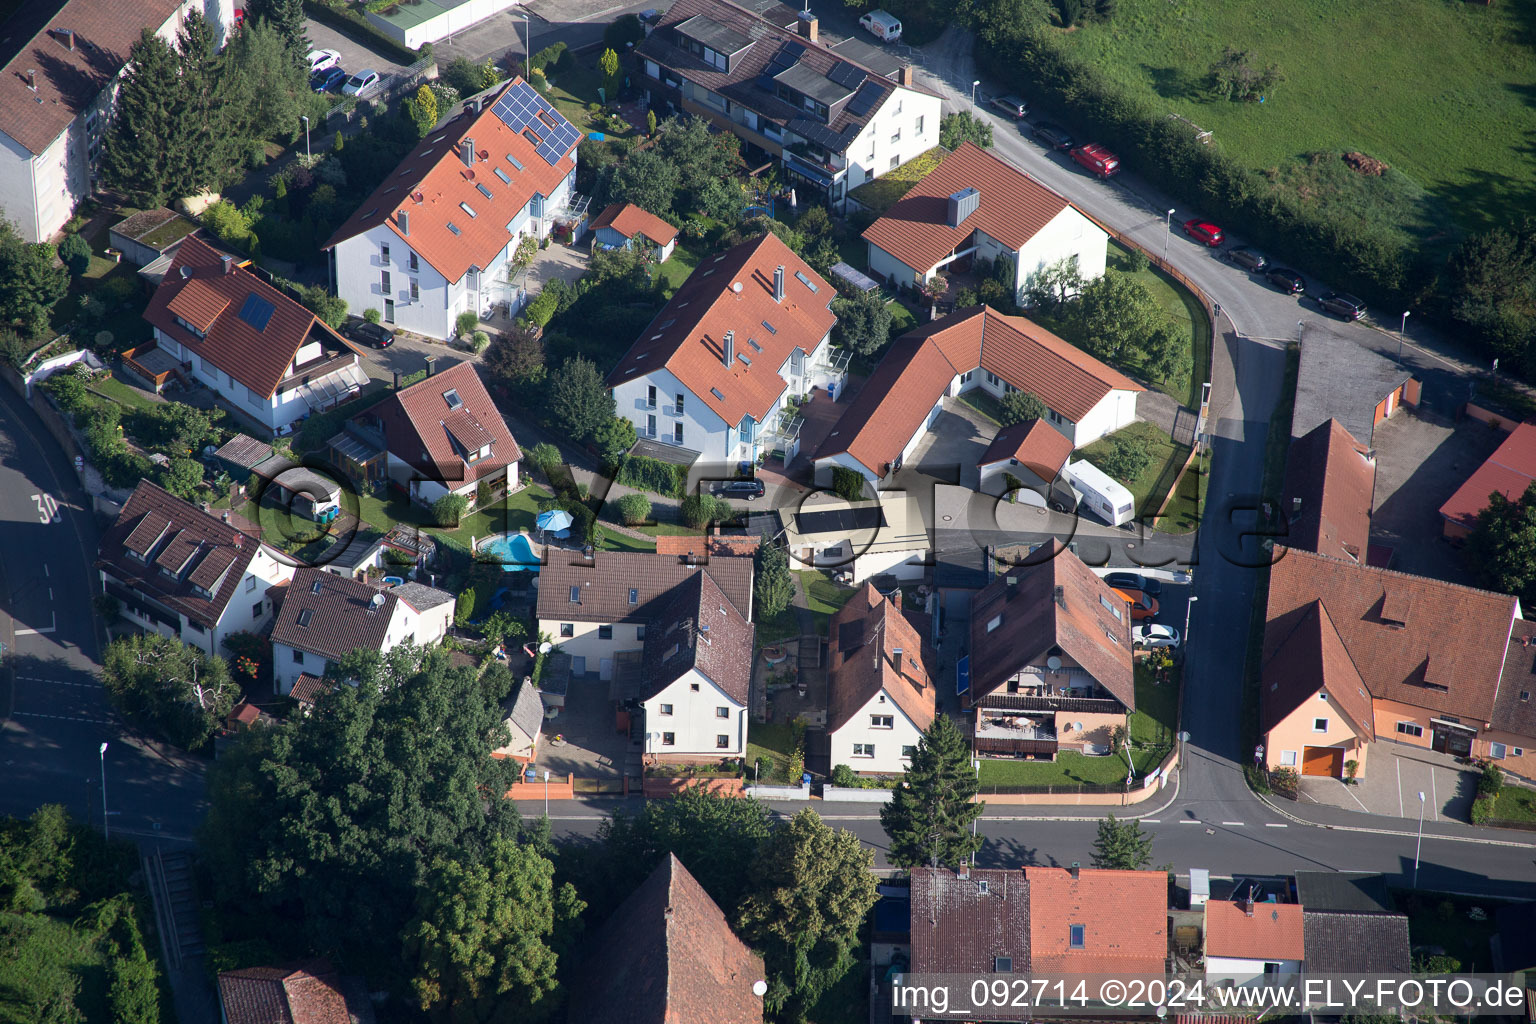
pixel 883 25
pixel 1101 494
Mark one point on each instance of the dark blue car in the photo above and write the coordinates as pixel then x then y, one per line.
pixel 327 80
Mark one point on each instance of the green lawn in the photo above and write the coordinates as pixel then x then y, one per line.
pixel 613 540
pixel 902 318
pixel 983 402
pixel 772 743
pixel 1439 91
pixel 1183 514
pixel 1515 803
pixel 881 194
pixel 570 91
pixel 37 949
pixel 822 596
pixel 1155 720
pixel 1435 919
pixel 1184 310
pixel 1069 769
pixel 676 270
pixel 124 394
pixel 774 628
pixel 1151 486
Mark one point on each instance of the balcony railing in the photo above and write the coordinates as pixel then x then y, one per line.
pixel 986 746
pixel 1049 704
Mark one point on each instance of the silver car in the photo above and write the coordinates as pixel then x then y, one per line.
pixel 1154 634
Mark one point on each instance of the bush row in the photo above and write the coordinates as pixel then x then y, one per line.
pixel 648 474
pixel 355 26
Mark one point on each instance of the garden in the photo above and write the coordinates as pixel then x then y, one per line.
pixel 1146 461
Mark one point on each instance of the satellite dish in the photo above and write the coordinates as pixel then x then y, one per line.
pixel 759 988
pixel 736 287
pixel 1053 663
pixel 378 600
pixel 546 647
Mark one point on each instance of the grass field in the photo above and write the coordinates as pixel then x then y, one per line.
pixel 1440 91
pixel 1070 769
pixel 1184 310
pixel 822 596
pixel 124 394
pixel 1515 803
pixel 1183 513
pixel 772 743
pixel 1150 487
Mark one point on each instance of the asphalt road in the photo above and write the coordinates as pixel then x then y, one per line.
pixel 56 714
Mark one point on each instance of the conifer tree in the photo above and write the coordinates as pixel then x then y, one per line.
pixel 930 814
pixel 147 137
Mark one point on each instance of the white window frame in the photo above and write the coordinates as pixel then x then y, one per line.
pixel 1324 723
pixel 665 709
pixel 863 750
pixel 1288 758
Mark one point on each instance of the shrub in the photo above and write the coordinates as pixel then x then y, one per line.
pixel 1285 781
pixel 464 608
pixel 634 508
pixel 1129 456
pixel 847 484
pixel 371 315
pixel 648 474
pixel 76 253
pixel 1490 780
pixel 623 32
pixel 544 457
pixel 543 307
pixel 551 58
pixel 466 322
pixel 1136 261
pixel 844 776
pixel 700 510
pixel 796 767
pixel 479 342
pixel 449 509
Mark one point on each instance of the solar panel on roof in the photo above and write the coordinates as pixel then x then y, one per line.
pixel 520 107
pixel 257 311
pixel 864 100
pixel 795 50
pixel 847 75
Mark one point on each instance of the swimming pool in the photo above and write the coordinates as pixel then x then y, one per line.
pixel 514 552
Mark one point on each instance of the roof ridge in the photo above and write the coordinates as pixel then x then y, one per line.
pixel 1391 572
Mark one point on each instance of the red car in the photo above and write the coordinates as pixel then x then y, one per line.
pixel 239 16
pixel 1097 159
pixel 1204 232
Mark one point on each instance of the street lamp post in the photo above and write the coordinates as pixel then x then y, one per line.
pixel 305 119
pixel 1188 608
pixel 103 753
pixel 973 93
pixel 1167 231
pixel 1420 844
pixel 546 792
pixel 1401 328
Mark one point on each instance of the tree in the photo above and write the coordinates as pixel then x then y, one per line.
pixel 698 154
pixel 75 251
pixel 544 457
pixel 1122 845
pixel 331 309
pixel 608 64
pixel 647 179
pixel 773 587
pixel 1118 315
pixel 468 77
pixel 33 284
pixel 811 889
pixel 863 321
pixel 485 941
pixel 634 508
pixel 515 355
pixel 264 87
pixel 286 17
pixel 650 122
pixel 206 150
pixel 1051 286
pixel 1021 407
pixel 1130 454
pixel 1502 546
pixel 929 816
pixel 182 477
pixel 579 400
pixel 1490 284
pixel 614 439
pixel 1235 76
pixel 330 822
pixel 1169 359
pixel 146 142
pixel 421 110
pixel 449 509
pixel 964 127
pixel 700 510
pixel 169 687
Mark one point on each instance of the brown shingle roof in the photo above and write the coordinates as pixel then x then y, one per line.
pixel 259 359
pixel 245 451
pixel 306 993
pixel 1329 484
pixel 1035 444
pixel 1124 915
pixel 688 335
pixel 1313 658
pixel 919 367
pixel 1508 471
pixel 335 621
pixel 1056 603
pixel 667 956
pixel 957 928
pixel 1355 943
pixel 1453 636
pixel 68 80
pixel 307 688
pixel 865 634
pixel 1013 208
pixel 422 428
pixel 697 627
pixel 1510 712
pixel 432 182
pixel 604 584
pixel 1274 932
pixel 207 553
pixel 630 220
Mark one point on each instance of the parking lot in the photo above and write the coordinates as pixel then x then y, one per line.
pixel 1395 776
pixel 354 56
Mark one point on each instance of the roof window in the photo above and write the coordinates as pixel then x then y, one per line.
pixel 506 179
pixel 994 622
pixel 575 595
pixel 483 191
pixel 454 228
pixel 755 346
pixel 514 162
pixel 634 596
pixel 451 396
pixel 743 357
pixel 806 281
pixel 305 616
pixel 717 394
pixel 467 209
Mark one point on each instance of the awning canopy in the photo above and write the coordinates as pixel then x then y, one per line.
pixel 350 446
pixel 333 387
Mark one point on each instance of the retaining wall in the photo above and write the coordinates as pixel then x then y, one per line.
pixel 780 792
pixel 855 795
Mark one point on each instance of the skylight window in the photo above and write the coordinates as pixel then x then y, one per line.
pixel 806 281
pixel 717 394
pixel 506 179
pixel 454 228
pixel 770 328
pixel 451 396
pixel 634 596
pixel 305 616
pixel 743 357
pixel 466 208
pixel 514 162
pixel 575 595
pixel 755 346
pixel 484 191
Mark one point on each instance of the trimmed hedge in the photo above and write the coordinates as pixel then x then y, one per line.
pixel 648 474
pixel 352 24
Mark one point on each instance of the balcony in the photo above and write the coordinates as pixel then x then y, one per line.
pixel 1043 704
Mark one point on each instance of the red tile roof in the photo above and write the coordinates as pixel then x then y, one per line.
pixel 630 220
pixel 705 548
pixel 1035 444
pixel 68 81
pixel 306 993
pixel 1310 659
pixel 919 367
pixel 1014 207
pixel 432 184
pixel 259 359
pixel 1124 915
pixel 210 554
pixel 1422 642
pixel 1274 932
pixel 1508 471
pixel 338 619
pixel 866 634
pixel 1329 485
pixel 687 336
pixel 697 627
pixel 423 429
pixel 667 956
pixel 1056 602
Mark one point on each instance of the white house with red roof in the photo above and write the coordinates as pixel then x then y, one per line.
pixel 435 238
pixel 711 375
pixel 975 206
pixel 270 359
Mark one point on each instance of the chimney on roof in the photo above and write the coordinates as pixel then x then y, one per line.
pixel 904 75
pixel 431 360
pixel 403 219
pixel 1077 868
pixel 896 599
pixel 32 79
pixel 778 284
pixel 228 261
pixel 69 38
pixel 467 150
pixel 1061 596
pixel 1248 904
pixel 729 345
pixel 809 25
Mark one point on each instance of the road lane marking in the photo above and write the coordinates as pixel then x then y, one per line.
pixel 58 682
pixel 1276 824
pixel 66 718
pixel 1189 821
pixel 1151 821
pixel 52 617
pixel 1237 823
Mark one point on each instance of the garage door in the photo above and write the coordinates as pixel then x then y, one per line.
pixel 1322 761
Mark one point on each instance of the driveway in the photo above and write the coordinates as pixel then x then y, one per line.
pixel 409 355
pixel 1396 774
pixel 953 445
pixel 591 748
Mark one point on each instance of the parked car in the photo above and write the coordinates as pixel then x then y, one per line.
pixel 1052 135
pixel 749 489
pixel 1204 232
pixel 1096 159
pixel 1341 304
pixel 361 82
pixel 327 80
pixel 361 330
pixel 883 25
pixel 1151 634
pixel 1010 105
pixel 1143 605
pixel 1286 279
pixel 239 16
pixel 319 60
pixel 1136 581
pixel 1248 259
